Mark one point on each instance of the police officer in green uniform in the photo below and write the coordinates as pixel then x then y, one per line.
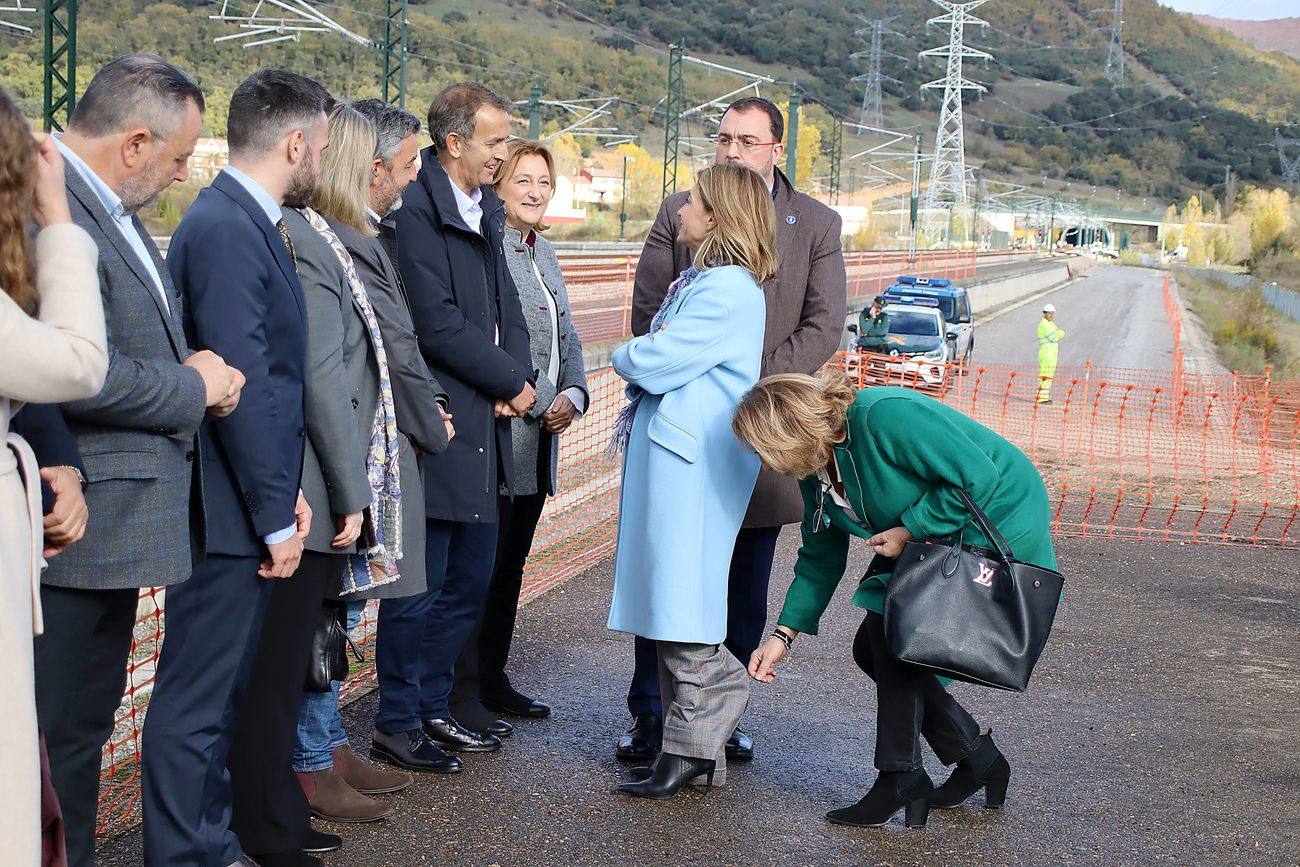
pixel 873 325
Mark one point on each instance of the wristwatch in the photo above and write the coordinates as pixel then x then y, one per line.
pixel 81 477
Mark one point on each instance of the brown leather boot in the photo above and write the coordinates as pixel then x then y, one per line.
pixel 330 797
pixel 365 777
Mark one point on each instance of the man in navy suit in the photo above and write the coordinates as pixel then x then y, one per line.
pixel 236 273
pixel 466 314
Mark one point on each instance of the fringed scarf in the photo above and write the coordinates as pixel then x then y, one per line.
pixel 378 550
pixel 623 426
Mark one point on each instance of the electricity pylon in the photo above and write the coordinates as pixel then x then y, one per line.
pixel 948 169
pixel 872 106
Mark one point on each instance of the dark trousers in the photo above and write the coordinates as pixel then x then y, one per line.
pixel 481 669
pixel 910 704
pixel 80 674
pixel 270 809
pixel 214 621
pixel 751 569
pixel 420 637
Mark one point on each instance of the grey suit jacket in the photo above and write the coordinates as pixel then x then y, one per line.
pixel 137 436
pixel 805 308
pixel 342 387
pixel 417 397
pixel 526 432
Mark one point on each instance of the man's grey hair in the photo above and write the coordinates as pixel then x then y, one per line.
pixel 453 110
pixel 394 125
pixel 135 90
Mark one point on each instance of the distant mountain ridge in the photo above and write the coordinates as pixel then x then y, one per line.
pixel 1278 34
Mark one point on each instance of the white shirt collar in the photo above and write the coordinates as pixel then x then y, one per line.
pixel 111 201
pixel 468 205
pixel 267 202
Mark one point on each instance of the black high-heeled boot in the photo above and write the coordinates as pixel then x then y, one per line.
pixel 671 774
pixel 892 793
pixel 985 768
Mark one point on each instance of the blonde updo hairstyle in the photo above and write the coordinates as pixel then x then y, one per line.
pixel 793 420
pixel 745 230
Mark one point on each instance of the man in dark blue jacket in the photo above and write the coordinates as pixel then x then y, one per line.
pixel 243 301
pixel 471 330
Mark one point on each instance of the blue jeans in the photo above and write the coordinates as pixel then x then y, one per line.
pixel 320 728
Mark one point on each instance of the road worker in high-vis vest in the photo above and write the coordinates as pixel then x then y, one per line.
pixel 1049 346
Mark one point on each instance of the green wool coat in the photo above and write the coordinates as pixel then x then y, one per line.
pixel 901 462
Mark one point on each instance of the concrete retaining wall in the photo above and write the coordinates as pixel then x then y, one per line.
pixel 1001 291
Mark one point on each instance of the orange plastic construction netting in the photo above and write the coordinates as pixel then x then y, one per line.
pixel 1125 453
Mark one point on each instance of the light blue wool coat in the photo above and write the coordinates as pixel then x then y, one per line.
pixel 687 479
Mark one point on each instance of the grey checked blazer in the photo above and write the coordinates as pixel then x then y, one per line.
pixel 342 387
pixel 526 432
pixel 137 436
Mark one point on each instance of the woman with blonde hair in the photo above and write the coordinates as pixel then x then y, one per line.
pixel 885 465
pixel 52 349
pixel 687 478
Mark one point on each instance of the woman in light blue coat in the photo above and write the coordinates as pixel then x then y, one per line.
pixel 687 479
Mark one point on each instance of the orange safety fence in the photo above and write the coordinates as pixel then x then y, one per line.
pixel 1125 453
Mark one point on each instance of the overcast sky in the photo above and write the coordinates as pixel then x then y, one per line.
pixel 1253 9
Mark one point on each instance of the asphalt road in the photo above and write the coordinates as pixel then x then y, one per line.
pixel 1161 728
pixel 1113 316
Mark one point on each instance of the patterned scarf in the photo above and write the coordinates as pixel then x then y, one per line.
pixel 623 426
pixel 375 562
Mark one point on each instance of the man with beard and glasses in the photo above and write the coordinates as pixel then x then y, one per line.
pixel 233 261
pixel 130 137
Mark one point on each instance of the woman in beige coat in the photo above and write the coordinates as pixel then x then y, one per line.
pixel 52 349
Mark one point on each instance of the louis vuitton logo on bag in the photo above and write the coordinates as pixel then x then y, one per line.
pixel 985 578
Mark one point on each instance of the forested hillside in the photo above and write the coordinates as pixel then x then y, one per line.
pixel 1196 99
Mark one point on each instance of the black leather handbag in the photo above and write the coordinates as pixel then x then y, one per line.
pixel 970 613
pixel 329 649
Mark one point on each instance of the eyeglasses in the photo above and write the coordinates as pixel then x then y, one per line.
pixel 745 142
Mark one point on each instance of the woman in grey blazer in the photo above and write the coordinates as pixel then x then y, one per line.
pixel 525 181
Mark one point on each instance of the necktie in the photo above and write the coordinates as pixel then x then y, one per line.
pixel 284 236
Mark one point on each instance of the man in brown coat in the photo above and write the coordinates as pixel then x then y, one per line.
pixel 805 319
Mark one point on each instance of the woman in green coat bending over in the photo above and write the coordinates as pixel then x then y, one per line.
pixel 884 464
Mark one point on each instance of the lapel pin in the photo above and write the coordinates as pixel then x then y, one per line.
pixel 790 219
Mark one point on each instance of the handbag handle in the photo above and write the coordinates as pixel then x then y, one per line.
pixel 986 526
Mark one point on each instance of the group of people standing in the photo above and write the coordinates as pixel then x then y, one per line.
pixel 347 381
pixel 262 423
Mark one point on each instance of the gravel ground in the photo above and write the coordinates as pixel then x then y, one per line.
pixel 1161 728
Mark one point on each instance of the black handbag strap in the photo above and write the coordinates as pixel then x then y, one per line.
pixel 986 526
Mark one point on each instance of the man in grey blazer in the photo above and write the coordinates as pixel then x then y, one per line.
pixel 131 135
pixel 805 316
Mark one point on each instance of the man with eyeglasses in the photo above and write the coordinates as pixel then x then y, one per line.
pixel 805 316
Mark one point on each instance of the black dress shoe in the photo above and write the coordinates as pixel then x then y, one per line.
pixel 740 747
pixel 292 858
pixel 412 751
pixel 644 740
pixel 452 736
pixel 892 793
pixel 671 774
pixel 316 842
pixel 476 719
pixel 985 768
pixel 510 701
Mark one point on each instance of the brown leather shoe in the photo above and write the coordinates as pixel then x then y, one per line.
pixel 329 797
pixel 365 777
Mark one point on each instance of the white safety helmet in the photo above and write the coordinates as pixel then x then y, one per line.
pixel 1049 308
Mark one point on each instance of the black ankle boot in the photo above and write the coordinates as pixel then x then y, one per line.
pixel 892 792
pixel 671 774
pixel 985 768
